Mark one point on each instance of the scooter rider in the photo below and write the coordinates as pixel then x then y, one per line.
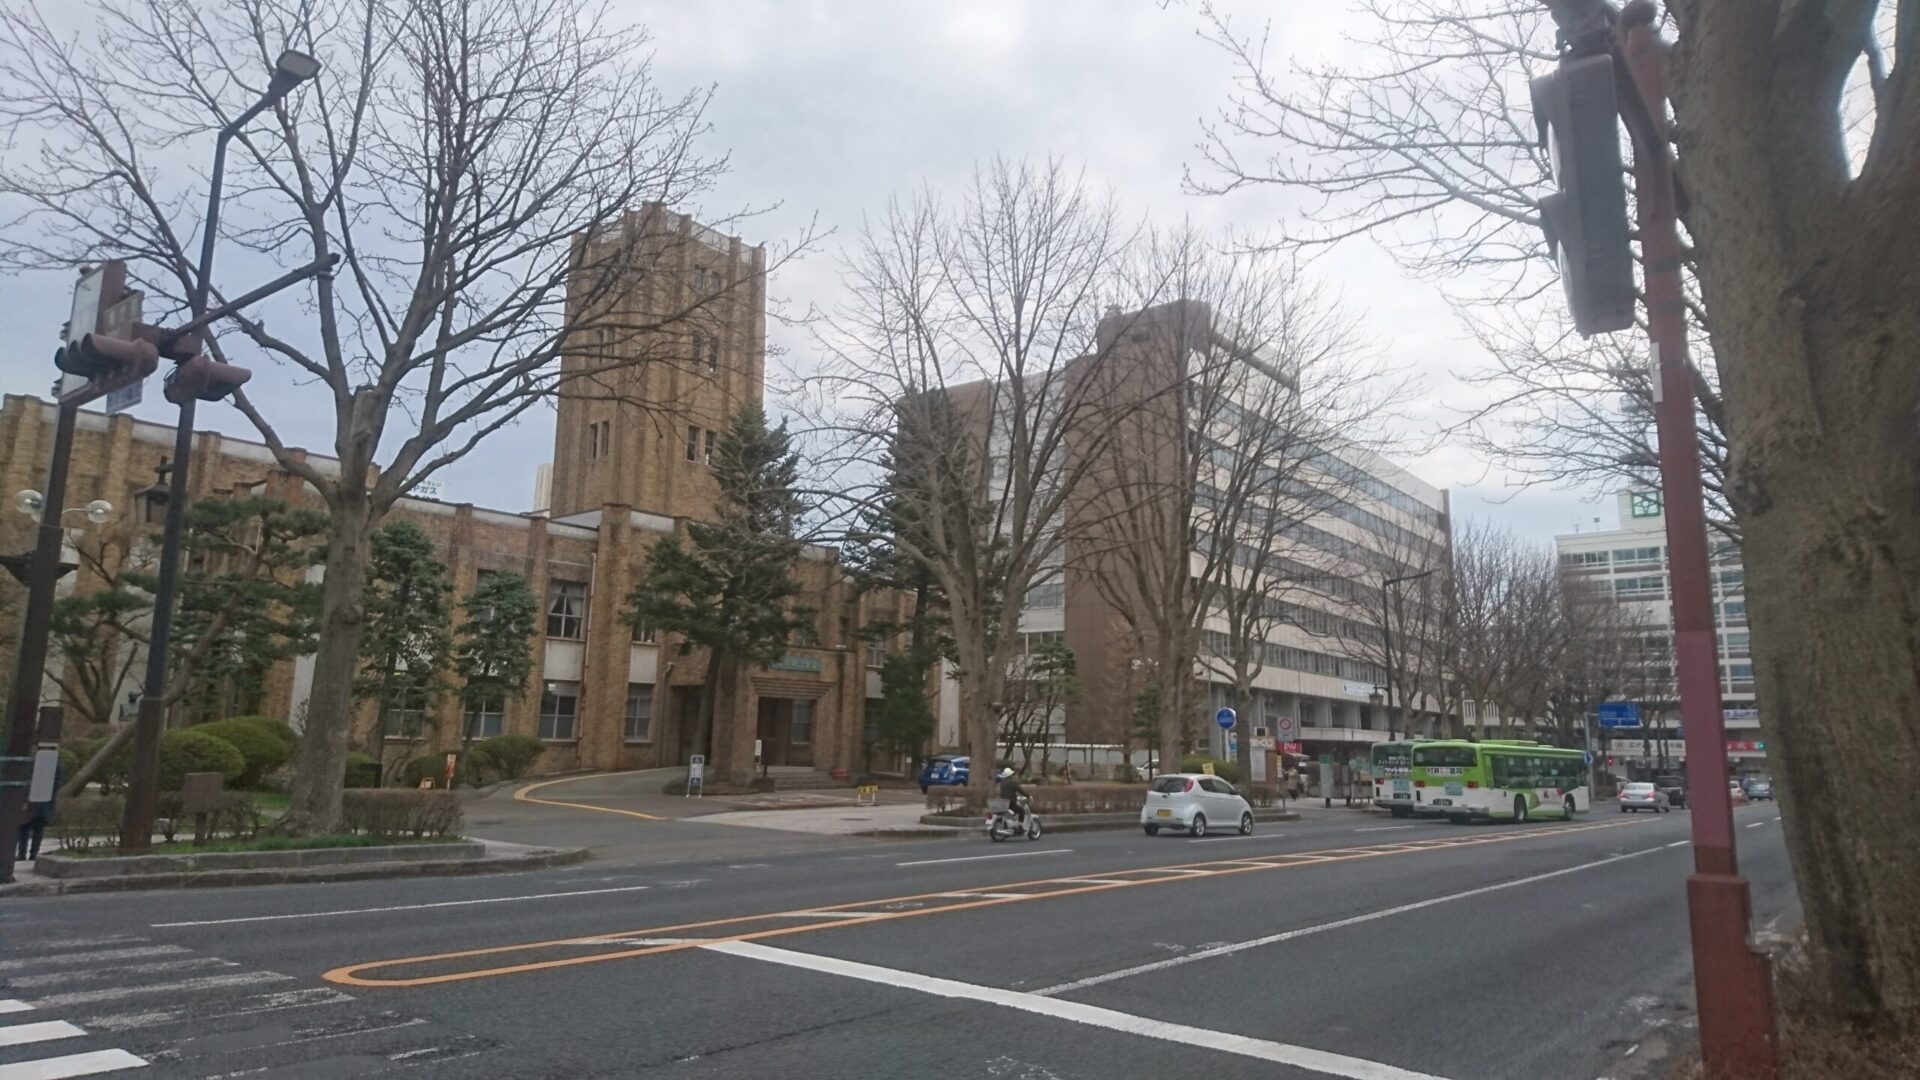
pixel 1015 795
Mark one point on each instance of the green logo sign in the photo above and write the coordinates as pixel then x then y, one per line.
pixel 807 664
pixel 1644 504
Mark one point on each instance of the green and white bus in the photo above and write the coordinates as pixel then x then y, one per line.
pixel 1393 780
pixel 1500 779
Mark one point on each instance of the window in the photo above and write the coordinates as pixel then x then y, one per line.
pixel 639 726
pixel 559 710
pixel 800 732
pixel 693 443
pixel 599 439
pixel 713 355
pixel 405 720
pixel 700 281
pixel 699 348
pixel 567 610
pixel 644 632
pixel 1738 645
pixel 1734 610
pixel 485 719
pixel 1049 594
pixel 805 633
pixel 877 651
pixel 708 455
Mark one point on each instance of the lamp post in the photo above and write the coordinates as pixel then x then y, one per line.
pixel 136 827
pixel 1386 631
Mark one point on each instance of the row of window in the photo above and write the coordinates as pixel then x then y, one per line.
pixel 1218 643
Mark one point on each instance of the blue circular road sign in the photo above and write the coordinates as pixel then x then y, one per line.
pixel 1224 718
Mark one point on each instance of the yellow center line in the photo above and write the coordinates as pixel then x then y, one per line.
pixel 525 795
pixel 990 896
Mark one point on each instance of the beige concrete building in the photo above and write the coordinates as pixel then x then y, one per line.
pixel 630 465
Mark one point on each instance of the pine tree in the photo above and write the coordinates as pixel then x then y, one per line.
pixel 405 645
pixel 495 653
pixel 728 586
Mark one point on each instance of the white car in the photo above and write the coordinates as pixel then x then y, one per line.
pixel 1195 803
pixel 1642 796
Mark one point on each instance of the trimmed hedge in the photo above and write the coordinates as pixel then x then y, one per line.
pixel 508 756
pixel 1225 770
pixel 400 812
pixel 192 751
pixel 431 766
pixel 261 749
pixel 1057 798
pixel 83 820
pixel 279 729
pixel 362 771
pixel 236 817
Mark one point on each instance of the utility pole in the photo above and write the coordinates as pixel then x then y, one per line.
pixel 1731 978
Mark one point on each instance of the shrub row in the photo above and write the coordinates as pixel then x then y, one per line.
pixel 235 817
pixel 84 820
pixel 1056 798
pixel 243 749
pixel 400 812
pixel 502 757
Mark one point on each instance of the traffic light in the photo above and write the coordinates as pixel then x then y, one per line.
pixel 98 358
pixel 199 377
pixel 1585 218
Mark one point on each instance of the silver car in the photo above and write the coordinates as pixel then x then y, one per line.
pixel 1194 803
pixel 1642 796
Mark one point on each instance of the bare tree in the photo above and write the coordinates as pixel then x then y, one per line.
pixel 454 156
pixel 1197 515
pixel 1402 621
pixel 972 350
pixel 1428 146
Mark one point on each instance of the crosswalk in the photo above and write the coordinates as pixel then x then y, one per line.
pixel 119 1005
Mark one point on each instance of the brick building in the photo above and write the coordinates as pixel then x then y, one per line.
pixel 630 464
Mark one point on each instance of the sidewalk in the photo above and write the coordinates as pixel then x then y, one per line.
pixel 895 819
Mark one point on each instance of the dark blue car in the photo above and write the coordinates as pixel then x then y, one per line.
pixel 943 770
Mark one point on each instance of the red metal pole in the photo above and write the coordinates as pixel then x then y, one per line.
pixel 1732 980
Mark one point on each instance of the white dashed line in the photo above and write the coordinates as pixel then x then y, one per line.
pixel 977 858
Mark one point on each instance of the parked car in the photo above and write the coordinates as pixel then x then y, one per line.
pixel 1674 787
pixel 1641 795
pixel 1738 793
pixel 1194 803
pixel 1760 789
pixel 943 770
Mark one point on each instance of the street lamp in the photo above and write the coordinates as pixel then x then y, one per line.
pixel 136 826
pixel 1386 633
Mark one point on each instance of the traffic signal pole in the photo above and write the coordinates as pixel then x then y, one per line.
pixel 30 667
pixel 1732 980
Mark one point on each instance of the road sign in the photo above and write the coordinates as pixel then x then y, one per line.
pixel 696 771
pixel 1233 744
pixel 1619 714
pixel 124 398
pixel 1285 728
pixel 1224 718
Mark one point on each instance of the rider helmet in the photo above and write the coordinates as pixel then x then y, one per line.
pixel 1006 773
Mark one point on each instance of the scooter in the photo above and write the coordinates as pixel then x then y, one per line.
pixel 1001 822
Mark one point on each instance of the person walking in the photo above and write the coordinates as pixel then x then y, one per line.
pixel 34 828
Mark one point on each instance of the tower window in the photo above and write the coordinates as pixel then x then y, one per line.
pixel 708 456
pixel 693 443
pixel 713 355
pixel 600 439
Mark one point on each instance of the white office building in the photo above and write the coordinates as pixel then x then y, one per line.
pixel 1630 562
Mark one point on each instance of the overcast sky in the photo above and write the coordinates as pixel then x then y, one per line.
pixel 828 107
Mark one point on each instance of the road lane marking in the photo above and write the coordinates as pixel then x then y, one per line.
pixel 60 1068
pixel 355 974
pixel 986 895
pixel 1755 824
pixel 42 1031
pixel 257 1005
pixel 55 978
pixel 1319 1061
pixel 396 907
pixel 1385 828
pixel 1275 939
pixel 1235 839
pixel 525 795
pixel 12 1005
pixel 97 957
pixel 977 858
pixel 208 982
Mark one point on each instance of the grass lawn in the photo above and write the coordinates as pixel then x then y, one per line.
pixel 267 843
pixel 272 803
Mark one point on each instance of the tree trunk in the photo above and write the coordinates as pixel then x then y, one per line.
pixel 709 705
pixel 1811 277
pixel 1243 724
pixel 320 771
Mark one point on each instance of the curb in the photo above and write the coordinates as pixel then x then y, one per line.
pixel 1114 822
pixel 209 879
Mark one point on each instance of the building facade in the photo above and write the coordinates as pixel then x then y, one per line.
pixel 1320 674
pixel 632 444
pixel 1629 563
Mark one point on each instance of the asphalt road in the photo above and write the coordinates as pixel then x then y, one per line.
pixel 1344 944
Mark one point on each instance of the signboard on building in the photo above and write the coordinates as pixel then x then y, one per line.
pixel 426 489
pixel 1286 729
pixel 1359 690
pixel 809 664
pixel 1619 714
pixel 1740 714
pixel 1745 745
